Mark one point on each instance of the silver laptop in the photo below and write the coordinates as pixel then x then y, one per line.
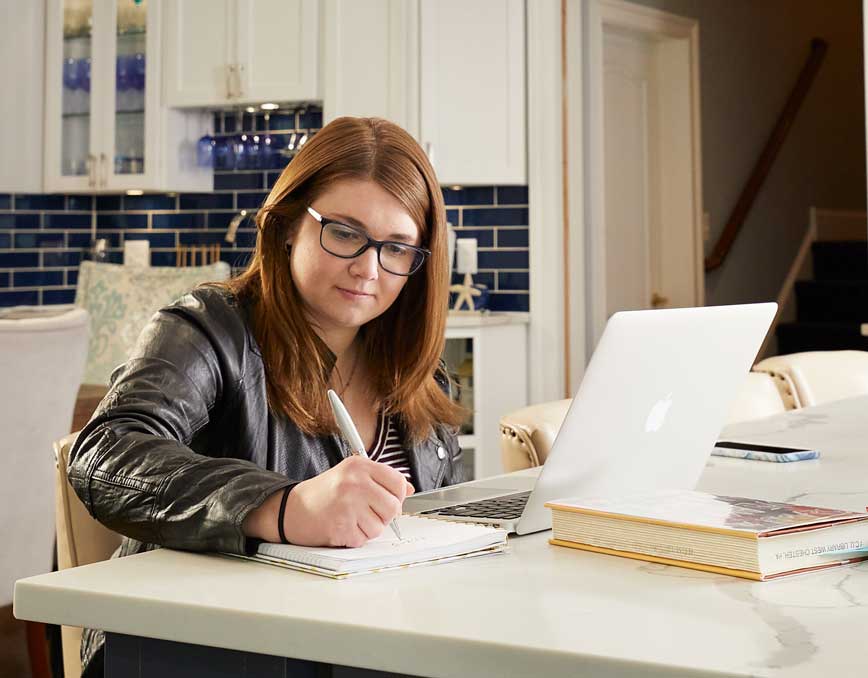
pixel 653 400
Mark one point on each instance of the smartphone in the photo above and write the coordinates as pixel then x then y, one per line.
pixel 757 452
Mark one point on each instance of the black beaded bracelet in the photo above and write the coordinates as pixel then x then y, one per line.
pixel 281 512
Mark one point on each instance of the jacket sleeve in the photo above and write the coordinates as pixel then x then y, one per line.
pixel 132 464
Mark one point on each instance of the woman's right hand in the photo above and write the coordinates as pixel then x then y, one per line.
pixel 347 505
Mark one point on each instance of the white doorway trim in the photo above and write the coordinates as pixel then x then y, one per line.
pixel 546 350
pixel 658 26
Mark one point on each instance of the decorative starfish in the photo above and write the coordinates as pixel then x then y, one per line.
pixel 466 292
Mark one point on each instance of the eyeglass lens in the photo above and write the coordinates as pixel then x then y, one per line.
pixel 347 242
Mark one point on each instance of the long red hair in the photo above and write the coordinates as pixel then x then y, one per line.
pixel 402 347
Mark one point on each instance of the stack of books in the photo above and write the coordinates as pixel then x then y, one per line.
pixel 738 536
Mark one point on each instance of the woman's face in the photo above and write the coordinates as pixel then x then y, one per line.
pixel 341 294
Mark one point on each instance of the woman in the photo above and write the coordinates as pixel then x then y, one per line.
pixel 217 433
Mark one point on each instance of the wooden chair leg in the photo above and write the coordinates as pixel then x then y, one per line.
pixel 37 648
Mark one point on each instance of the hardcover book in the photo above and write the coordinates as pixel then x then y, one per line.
pixel 743 537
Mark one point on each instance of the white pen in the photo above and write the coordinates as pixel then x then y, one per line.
pixel 348 428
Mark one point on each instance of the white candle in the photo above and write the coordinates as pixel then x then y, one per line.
pixel 137 253
pixel 466 251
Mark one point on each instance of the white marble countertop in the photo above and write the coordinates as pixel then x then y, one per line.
pixel 484 319
pixel 539 610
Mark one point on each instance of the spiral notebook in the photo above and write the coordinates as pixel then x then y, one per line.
pixel 426 541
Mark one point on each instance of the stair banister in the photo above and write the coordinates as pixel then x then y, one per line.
pixel 767 157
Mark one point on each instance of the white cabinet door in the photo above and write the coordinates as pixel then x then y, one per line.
pixel 277 50
pixel 199 47
pixel 106 129
pixel 371 60
pixel 473 90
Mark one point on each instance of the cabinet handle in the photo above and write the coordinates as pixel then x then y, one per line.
pixel 239 69
pixel 103 166
pixel 91 169
pixel 230 72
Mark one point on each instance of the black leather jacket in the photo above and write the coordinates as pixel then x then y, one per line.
pixel 184 445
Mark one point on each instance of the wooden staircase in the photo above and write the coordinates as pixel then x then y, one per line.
pixel 831 299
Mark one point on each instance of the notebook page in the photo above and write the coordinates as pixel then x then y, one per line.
pixel 424 538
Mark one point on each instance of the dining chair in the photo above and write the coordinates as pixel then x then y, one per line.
pixel 42 357
pixel 81 540
pixel 816 377
pixel 121 300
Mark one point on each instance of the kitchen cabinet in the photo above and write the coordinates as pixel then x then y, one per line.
pixel 227 52
pixel 22 45
pixel 450 72
pixel 370 60
pixel 487 355
pixel 106 129
pixel 472 90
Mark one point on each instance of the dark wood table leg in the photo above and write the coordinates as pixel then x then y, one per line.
pixel 37 649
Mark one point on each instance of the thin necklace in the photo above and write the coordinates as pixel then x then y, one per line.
pixel 346 384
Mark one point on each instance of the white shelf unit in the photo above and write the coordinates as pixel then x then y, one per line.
pixel 496 345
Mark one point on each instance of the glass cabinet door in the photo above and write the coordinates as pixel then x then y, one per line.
pixel 129 87
pixel 75 157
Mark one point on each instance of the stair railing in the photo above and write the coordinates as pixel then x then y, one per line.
pixel 767 158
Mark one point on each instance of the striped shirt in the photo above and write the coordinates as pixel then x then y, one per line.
pixel 387 447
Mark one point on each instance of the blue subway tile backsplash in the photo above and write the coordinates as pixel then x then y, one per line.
pixel 19 298
pixel 24 201
pixel 58 296
pixel 250 200
pixel 19 220
pixel 122 221
pixel 495 259
pixel 148 202
pixel 205 201
pixel 495 216
pixel 512 237
pixel 80 202
pixel 238 181
pixel 106 203
pixel 66 221
pixel 178 221
pixel 37 278
pixel 44 237
pixel 37 239
pixel 476 195
pixel 19 260
pixel 512 195
pixel 484 237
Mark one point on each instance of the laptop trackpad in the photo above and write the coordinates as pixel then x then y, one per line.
pixel 453 495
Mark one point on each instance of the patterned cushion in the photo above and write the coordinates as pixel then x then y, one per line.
pixel 121 300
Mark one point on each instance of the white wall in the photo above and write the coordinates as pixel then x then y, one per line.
pixel 22 40
pixel 751 52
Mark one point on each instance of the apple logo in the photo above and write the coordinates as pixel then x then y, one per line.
pixel 658 414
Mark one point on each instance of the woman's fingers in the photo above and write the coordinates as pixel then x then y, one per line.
pixel 370 524
pixel 392 480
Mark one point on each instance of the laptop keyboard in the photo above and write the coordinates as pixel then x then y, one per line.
pixel 507 507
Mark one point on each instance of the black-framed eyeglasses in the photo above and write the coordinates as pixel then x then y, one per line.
pixel 348 242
